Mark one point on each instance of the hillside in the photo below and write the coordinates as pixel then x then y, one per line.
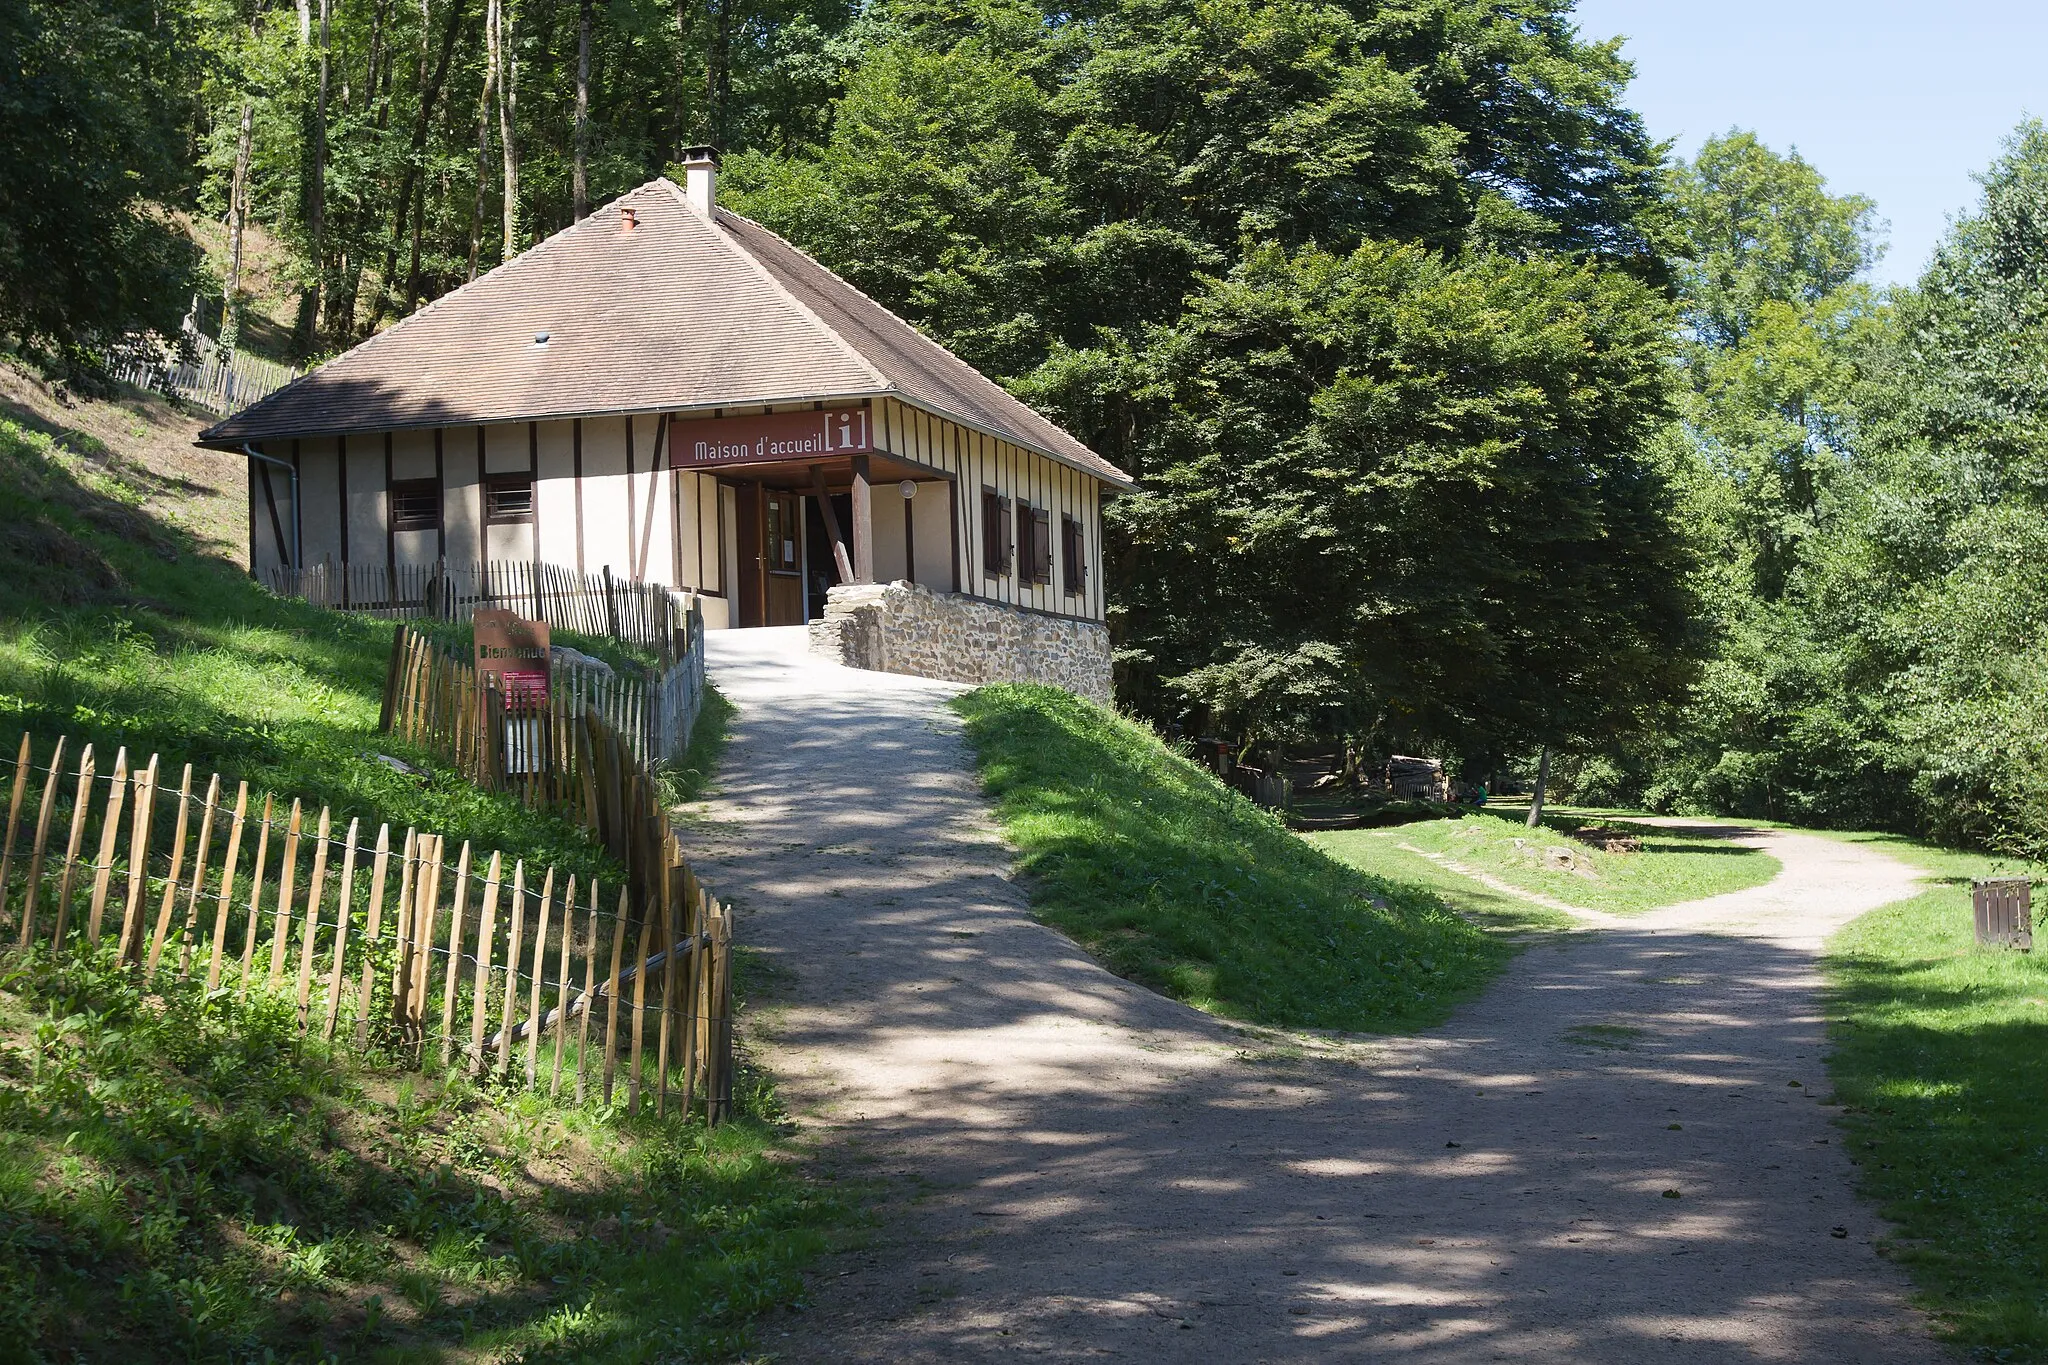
pixel 182 1177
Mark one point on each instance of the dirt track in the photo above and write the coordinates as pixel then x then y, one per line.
pixel 1072 1167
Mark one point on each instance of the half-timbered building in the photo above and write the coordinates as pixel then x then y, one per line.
pixel 673 392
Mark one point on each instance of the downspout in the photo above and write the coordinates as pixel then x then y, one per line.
pixel 253 453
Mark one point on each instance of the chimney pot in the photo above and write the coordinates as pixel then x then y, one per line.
pixel 700 179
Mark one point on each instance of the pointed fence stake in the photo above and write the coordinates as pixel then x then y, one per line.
pixel 227 889
pixel 32 893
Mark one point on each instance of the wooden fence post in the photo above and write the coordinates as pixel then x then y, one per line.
pixel 486 931
pixel 206 814
pixel 110 831
pixel 589 991
pixel 309 934
pixel 512 947
pixel 611 1022
pixel 170 901
pixel 540 958
pixel 21 763
pixel 287 872
pixel 227 888
pixel 454 955
pixel 255 896
pixel 378 866
pixel 341 916
pixel 32 895
pixel 143 822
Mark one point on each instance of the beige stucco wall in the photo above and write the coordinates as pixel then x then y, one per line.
pixel 674 527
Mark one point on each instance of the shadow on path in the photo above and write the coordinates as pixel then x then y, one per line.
pixel 1078 1168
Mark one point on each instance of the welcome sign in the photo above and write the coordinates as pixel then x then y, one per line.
pixel 515 649
pixel 770 437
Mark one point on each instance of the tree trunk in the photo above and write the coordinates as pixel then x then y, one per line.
pixel 508 123
pixel 238 217
pixel 429 86
pixel 686 20
pixel 581 180
pixel 1542 782
pixel 483 133
pixel 316 193
pixel 718 75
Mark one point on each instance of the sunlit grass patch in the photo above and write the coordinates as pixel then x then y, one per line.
pixel 1672 865
pixel 1173 880
pixel 1940 1061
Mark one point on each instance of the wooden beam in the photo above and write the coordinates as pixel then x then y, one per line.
pixel 839 558
pixel 863 523
pixel 909 540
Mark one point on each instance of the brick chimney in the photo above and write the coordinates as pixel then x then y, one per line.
pixel 700 178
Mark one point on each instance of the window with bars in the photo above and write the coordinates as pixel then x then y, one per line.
pixel 508 498
pixel 1073 557
pixel 995 533
pixel 1034 539
pixel 415 504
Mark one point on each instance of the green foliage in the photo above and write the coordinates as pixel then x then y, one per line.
pixel 1673 865
pixel 183 1178
pixel 1940 1062
pixel 1359 297
pixel 1871 480
pixel 1175 881
pixel 1424 474
pixel 89 149
pixel 1759 230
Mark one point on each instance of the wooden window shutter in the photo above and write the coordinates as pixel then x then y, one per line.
pixel 995 533
pixel 1041 545
pixel 1073 563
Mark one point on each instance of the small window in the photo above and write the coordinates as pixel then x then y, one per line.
pixel 1034 539
pixel 508 498
pixel 995 534
pixel 415 504
pixel 1073 557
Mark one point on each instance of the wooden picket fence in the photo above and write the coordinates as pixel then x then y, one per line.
pixel 650 615
pixel 546 753
pixel 199 371
pixel 392 944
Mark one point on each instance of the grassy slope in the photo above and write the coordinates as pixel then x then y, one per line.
pixel 1175 881
pixel 1941 1063
pixel 1673 866
pixel 185 1184
pixel 180 1180
pixel 121 626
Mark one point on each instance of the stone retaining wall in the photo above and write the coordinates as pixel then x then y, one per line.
pixel 903 628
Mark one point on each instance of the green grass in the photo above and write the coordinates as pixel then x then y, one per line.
pixel 179 1179
pixel 1940 1061
pixel 1673 865
pixel 1175 881
pixel 116 629
pixel 182 1179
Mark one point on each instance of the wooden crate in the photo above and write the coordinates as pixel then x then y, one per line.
pixel 2004 908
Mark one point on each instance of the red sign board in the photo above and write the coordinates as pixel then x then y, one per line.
pixel 516 650
pixel 771 437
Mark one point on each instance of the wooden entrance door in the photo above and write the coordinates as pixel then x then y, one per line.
pixel 782 546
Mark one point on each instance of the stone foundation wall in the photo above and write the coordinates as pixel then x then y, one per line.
pixel 903 628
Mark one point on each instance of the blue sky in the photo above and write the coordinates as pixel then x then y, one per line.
pixel 1901 102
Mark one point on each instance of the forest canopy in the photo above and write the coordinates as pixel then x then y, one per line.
pixel 1466 419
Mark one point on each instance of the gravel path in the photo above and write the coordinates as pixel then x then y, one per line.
pixel 1071 1167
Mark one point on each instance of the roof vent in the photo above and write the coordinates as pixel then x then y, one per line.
pixel 700 178
pixel 629 218
pixel 540 338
